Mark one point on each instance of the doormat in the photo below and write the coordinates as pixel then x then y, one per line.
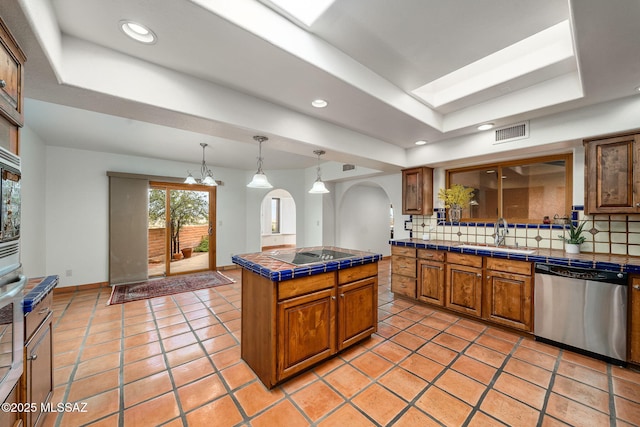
pixel 167 286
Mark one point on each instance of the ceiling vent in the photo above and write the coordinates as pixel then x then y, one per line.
pixel 348 167
pixel 512 133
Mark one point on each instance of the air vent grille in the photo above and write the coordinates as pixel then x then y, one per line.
pixel 512 133
pixel 9 249
pixel 348 167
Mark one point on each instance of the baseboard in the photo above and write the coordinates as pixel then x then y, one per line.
pixel 76 288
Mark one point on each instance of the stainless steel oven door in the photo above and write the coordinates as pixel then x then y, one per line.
pixel 11 332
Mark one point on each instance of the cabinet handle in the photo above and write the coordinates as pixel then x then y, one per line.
pixel 636 287
pixel 341 295
pixel 333 298
pixel 479 275
pixel 3 84
pixel 44 310
pixel 637 204
pixel 33 357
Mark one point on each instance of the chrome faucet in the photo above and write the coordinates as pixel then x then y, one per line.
pixel 500 233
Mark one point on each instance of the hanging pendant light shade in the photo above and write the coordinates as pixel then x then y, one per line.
pixel 318 186
pixel 260 179
pixel 206 176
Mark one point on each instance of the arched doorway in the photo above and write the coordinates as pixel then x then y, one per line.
pixel 277 221
pixel 365 219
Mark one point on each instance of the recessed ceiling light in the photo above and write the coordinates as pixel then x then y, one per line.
pixel 319 103
pixel 485 126
pixel 137 31
pixel 421 142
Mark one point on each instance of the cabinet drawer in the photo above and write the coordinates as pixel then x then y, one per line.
pixel 403 285
pixel 403 251
pixel 403 265
pixel 431 254
pixel 356 273
pixel 305 285
pixel 510 266
pixel 464 259
pixel 38 315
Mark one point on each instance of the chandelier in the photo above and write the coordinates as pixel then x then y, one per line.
pixel 206 176
pixel 260 179
pixel 318 186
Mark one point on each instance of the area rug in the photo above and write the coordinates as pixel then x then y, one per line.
pixel 167 286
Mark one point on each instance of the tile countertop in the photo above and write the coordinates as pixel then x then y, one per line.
pixel 35 291
pixel 616 263
pixel 263 264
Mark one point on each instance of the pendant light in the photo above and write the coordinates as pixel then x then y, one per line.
pixel 318 186
pixel 259 179
pixel 206 176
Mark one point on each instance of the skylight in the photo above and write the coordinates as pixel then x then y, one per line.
pixel 307 11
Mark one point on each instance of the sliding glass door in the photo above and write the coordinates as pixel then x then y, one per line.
pixel 181 229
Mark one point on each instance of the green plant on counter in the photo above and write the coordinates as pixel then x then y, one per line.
pixel 574 235
pixel 457 195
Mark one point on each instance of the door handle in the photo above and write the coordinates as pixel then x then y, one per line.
pixel 210 229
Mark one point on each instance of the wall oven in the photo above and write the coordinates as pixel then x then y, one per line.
pixel 12 281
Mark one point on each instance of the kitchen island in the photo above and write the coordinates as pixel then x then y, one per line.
pixel 302 306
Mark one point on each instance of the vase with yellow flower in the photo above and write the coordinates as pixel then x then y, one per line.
pixel 455 199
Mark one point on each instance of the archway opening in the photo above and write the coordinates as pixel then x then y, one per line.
pixel 277 221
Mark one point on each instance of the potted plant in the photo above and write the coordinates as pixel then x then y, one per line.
pixel 574 238
pixel 454 199
pixel 186 252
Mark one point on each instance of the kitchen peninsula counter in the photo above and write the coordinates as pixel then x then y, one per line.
pixel 295 316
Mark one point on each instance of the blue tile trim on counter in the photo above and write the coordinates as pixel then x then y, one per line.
pixel 38 293
pixel 628 265
pixel 307 270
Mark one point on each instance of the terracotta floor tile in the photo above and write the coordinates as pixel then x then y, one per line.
pixel 179 341
pixel 582 393
pixel 103 336
pixel 68 345
pixel 346 415
pixel 450 341
pixel 298 382
pixel 142 352
pixel 474 369
pixel 255 398
pixel 328 365
pixel 534 357
pixel 627 410
pixel 587 362
pixel 219 413
pixel 423 331
pixel 626 374
pixel 211 331
pixel 227 357
pixel 282 414
pixel 140 339
pixel 480 419
pixel 462 332
pixel 529 372
pixel 509 410
pixel 110 421
pixel 97 365
pixel 398 321
pixel 438 353
pixel 316 400
pixel 371 364
pixel 173 330
pixel 521 390
pixel 90 386
pixel 541 347
pixel 573 413
pixel 421 366
pixel 403 383
pixel 97 407
pixel 379 404
pixel 444 407
pixel 347 380
pixel 412 315
pixel 495 343
pixel 143 368
pixel 152 412
pixel 627 389
pixel 391 351
pixel 414 417
pixel 585 375
pixel 447 317
pixel 185 354
pixel 503 335
pixel 461 386
pixel 146 388
pixel 387 331
pixel 200 392
pixel 220 342
pixel 485 355
pixel 408 340
pixel 235 376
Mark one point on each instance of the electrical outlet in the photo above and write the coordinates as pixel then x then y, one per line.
pixel 69 273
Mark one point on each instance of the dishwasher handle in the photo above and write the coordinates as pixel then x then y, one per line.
pixel 596 275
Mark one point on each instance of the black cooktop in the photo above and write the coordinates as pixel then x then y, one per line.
pixel 310 256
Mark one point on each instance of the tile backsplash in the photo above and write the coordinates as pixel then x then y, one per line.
pixel 608 234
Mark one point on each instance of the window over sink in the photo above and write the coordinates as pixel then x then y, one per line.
pixel 530 190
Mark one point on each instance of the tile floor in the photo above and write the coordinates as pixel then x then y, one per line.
pixel 176 361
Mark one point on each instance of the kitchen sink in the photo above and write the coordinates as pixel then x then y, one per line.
pixel 506 249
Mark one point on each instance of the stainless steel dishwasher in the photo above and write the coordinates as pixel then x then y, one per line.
pixel 582 309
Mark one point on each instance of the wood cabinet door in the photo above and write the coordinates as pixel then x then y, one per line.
pixel 357 311
pixel 11 76
pixel 612 170
pixel 464 289
pixel 431 282
pixel 417 191
pixel 306 331
pixel 508 299
pixel 634 321
pixel 39 371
